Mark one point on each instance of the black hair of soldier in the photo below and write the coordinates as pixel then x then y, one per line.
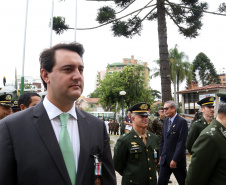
pixel 25 98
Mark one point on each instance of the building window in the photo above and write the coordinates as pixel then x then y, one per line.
pixel 119 67
pixel 223 79
pixel 110 72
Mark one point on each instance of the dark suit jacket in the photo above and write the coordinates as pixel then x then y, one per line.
pixel 30 153
pixel 172 146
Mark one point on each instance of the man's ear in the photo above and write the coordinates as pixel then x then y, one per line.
pixel 132 118
pixel 22 107
pixel 45 75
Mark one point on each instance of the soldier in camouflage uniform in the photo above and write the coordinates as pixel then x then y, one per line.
pixel 207 109
pixel 157 124
pixel 208 164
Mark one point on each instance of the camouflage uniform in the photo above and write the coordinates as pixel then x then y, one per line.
pixel 156 127
pixel 116 127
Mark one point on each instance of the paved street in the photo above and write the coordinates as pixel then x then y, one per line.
pixel 114 138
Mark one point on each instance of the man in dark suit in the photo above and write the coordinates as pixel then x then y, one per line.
pixel 172 146
pixel 54 143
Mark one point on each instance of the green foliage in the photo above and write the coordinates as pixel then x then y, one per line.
pixel 155 94
pixel 186 15
pixel 123 3
pixel 127 29
pixel 94 94
pixel 105 14
pixel 130 80
pixel 59 25
pixel 222 7
pixel 204 70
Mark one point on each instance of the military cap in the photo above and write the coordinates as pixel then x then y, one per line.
pixel 5 99
pixel 15 105
pixel 140 108
pixel 222 97
pixel 208 101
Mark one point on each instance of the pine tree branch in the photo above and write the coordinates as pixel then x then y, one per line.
pixel 173 4
pixel 125 7
pixel 173 19
pixel 143 7
pixel 115 19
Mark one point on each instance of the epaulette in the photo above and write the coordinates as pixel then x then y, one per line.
pixel 126 134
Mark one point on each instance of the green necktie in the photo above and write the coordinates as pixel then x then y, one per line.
pixel 66 148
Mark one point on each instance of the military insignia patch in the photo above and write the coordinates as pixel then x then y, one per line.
pixel 223 132
pixel 144 107
pixel 211 99
pixel 8 97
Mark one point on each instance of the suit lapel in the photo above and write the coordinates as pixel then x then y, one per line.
pixel 84 134
pixel 44 127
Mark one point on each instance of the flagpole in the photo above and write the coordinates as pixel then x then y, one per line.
pixel 25 30
pixel 76 5
pixel 51 26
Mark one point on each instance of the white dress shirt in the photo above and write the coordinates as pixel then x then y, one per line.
pixel 72 126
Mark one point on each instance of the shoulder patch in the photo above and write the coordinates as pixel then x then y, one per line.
pixel 211 131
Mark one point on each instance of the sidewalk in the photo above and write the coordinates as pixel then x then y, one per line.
pixel 113 140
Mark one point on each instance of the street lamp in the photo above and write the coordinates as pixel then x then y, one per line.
pixel 122 93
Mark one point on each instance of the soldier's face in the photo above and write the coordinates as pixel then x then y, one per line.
pixel 4 111
pixel 208 111
pixel 140 121
pixel 161 114
pixel 34 101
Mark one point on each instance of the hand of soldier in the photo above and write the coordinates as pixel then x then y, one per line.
pixel 173 164
pixel 159 160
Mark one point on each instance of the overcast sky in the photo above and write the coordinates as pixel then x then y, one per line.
pixel 100 46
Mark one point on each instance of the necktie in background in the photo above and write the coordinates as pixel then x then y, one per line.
pixel 169 125
pixel 66 148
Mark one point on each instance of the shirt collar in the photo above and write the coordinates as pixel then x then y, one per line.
pixel 172 119
pixel 54 111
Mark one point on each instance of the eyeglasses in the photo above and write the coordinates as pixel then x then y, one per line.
pixel 166 108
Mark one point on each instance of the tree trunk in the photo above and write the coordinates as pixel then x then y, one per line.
pixel 178 88
pixel 174 89
pixel 163 53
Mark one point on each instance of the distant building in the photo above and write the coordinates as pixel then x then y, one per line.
pixel 31 83
pixel 223 78
pixel 88 104
pixel 194 93
pixel 119 67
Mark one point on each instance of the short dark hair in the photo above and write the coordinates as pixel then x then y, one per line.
pixel 25 98
pixel 47 57
pixel 222 108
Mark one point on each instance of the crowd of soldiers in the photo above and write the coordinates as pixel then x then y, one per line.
pixel 112 126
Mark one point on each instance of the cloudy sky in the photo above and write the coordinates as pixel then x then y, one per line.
pixel 100 46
